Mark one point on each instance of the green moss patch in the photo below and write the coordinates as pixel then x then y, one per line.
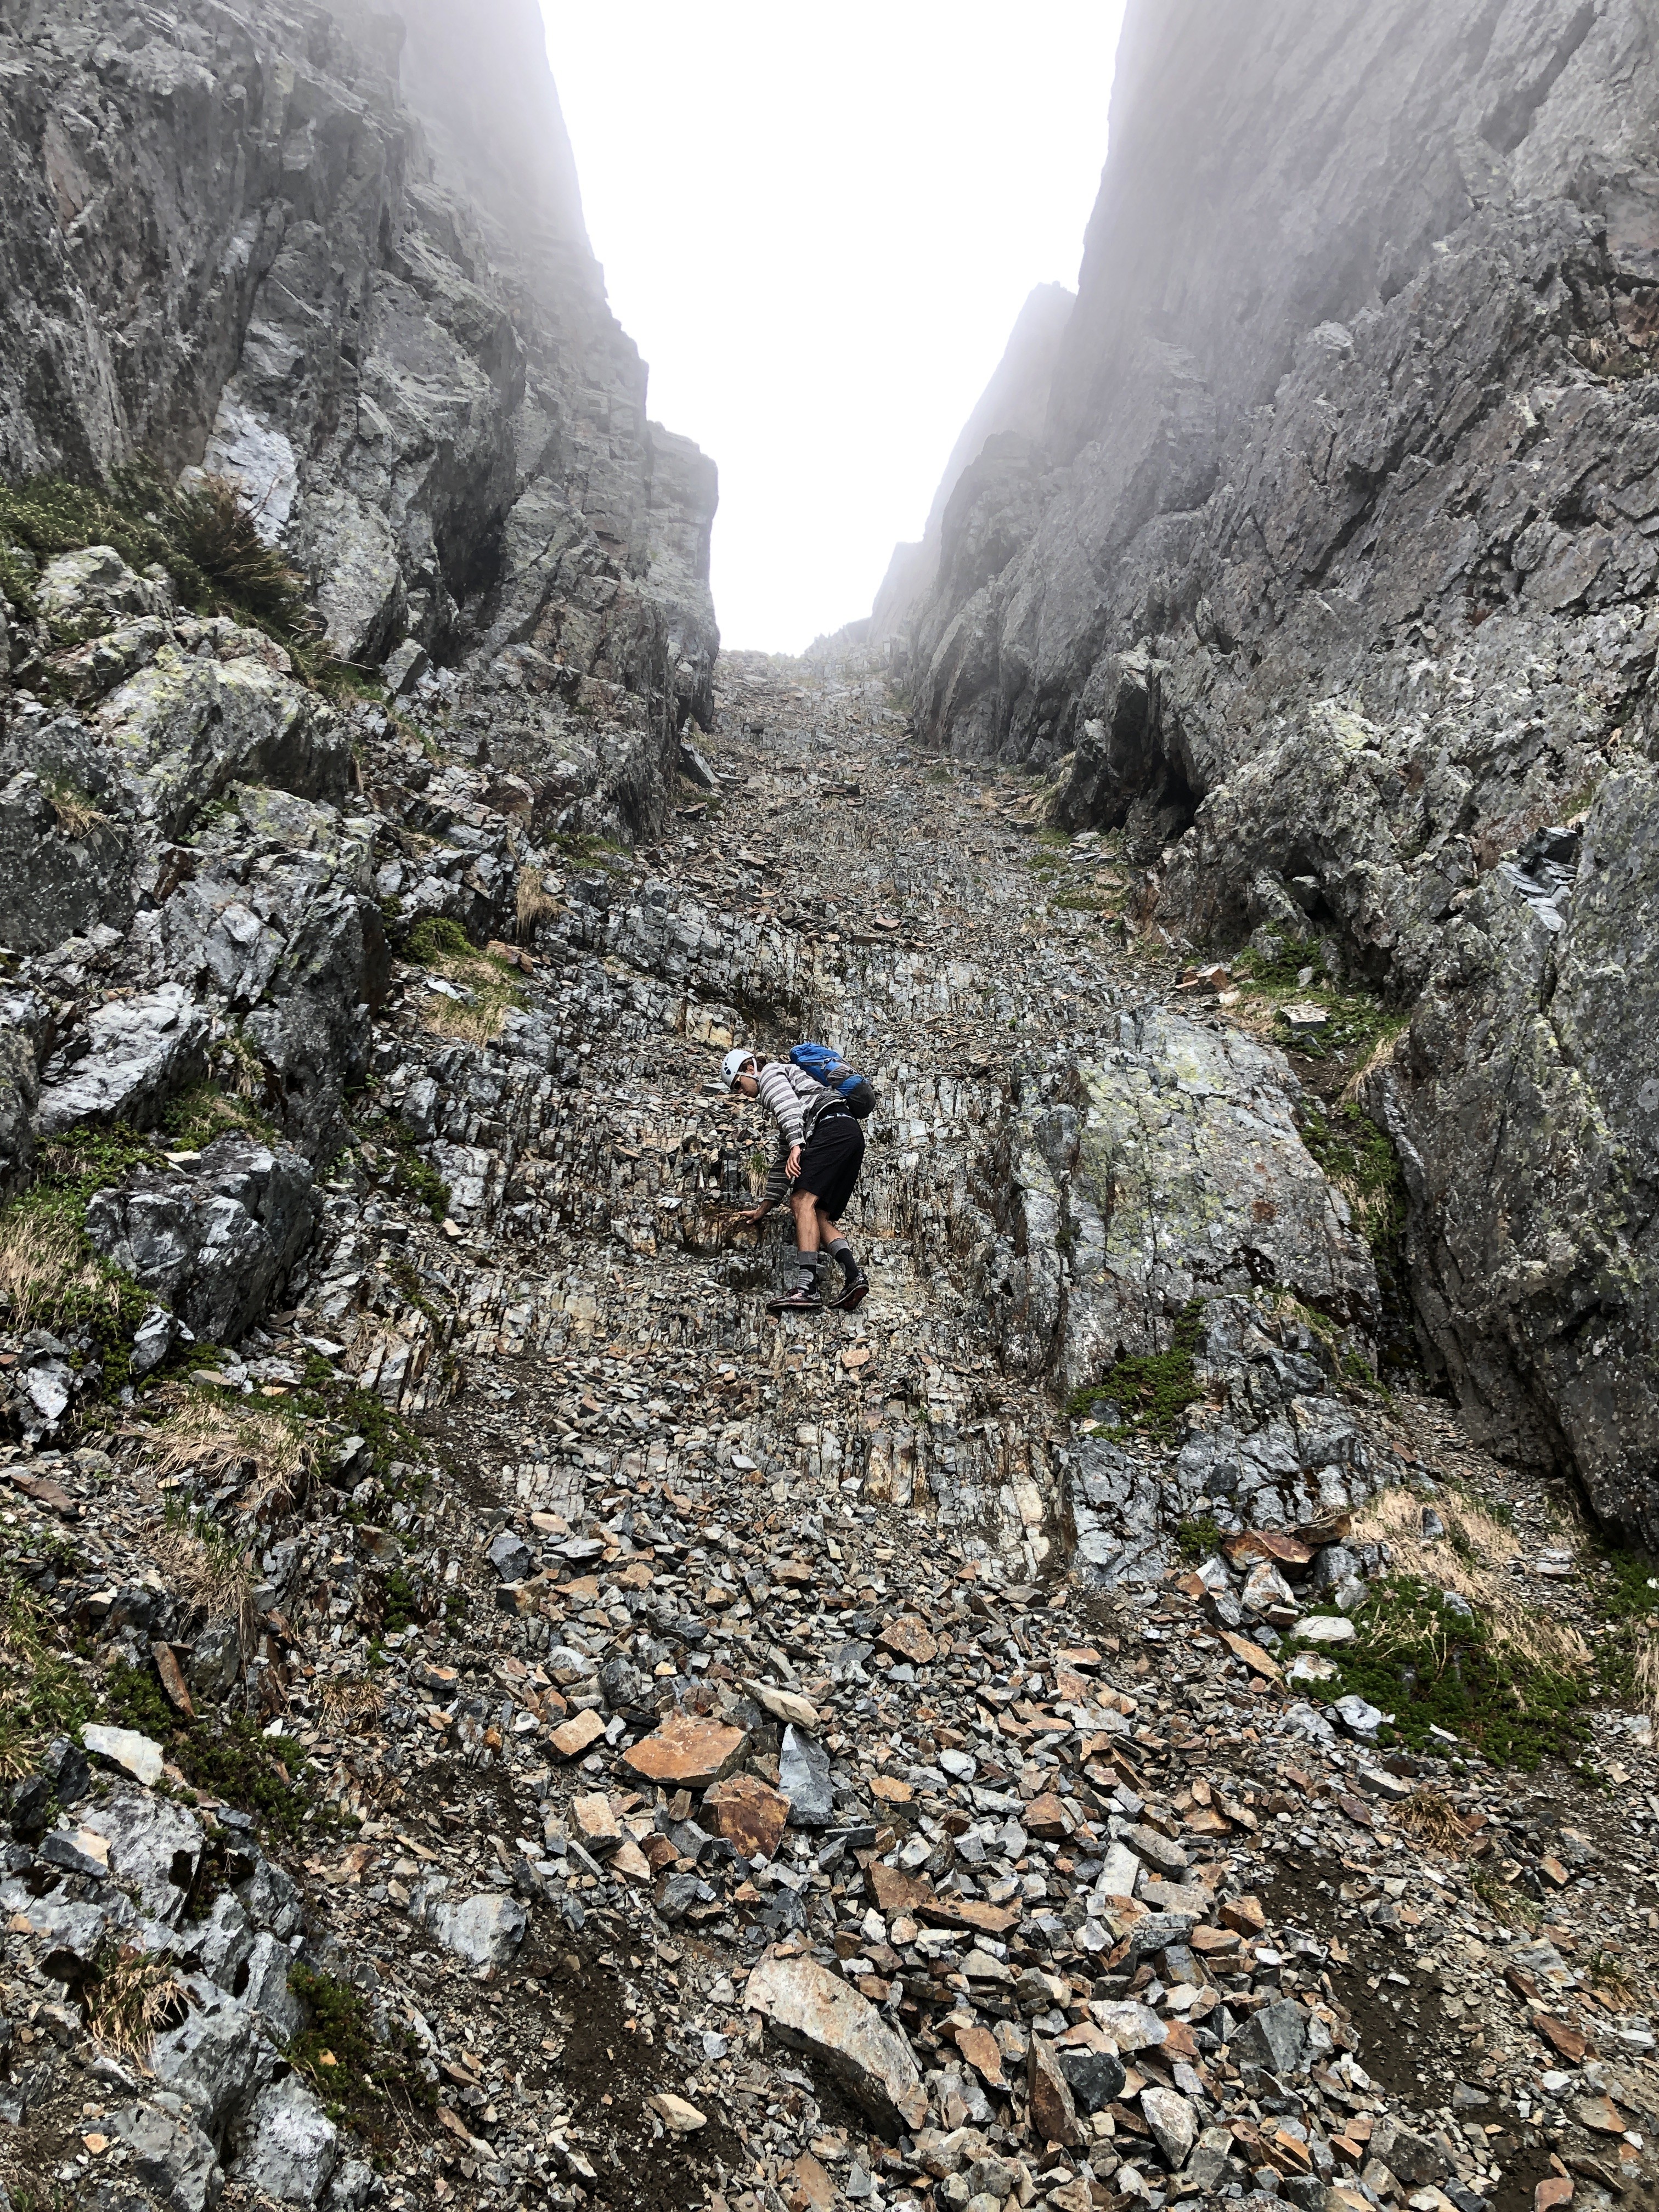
pixel 1150 1391
pixel 1421 1660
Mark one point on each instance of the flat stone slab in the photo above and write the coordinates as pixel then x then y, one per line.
pixel 688 1753
pixel 810 2008
pixel 140 1756
pixel 1324 1628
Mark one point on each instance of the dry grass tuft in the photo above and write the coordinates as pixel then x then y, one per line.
pixel 1381 1054
pixel 535 905
pixel 1471 1559
pixel 209 1568
pixel 479 1018
pixel 131 1998
pixel 350 1697
pixel 46 1270
pixel 72 811
pixel 209 1438
pixel 1431 1817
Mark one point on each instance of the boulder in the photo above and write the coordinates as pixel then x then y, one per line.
pixel 210 2059
pixel 485 1929
pixel 140 1052
pixel 809 2008
pixel 213 1238
pixel 1276 2037
pixel 171 2155
pixel 285 2145
pixel 187 727
pixel 154 1846
pixel 64 866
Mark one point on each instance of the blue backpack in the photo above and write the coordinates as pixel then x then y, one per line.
pixel 826 1066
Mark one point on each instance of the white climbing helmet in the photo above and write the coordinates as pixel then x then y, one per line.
pixel 734 1063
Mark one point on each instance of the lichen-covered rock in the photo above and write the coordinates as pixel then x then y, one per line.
pixel 1172 1170
pixel 187 727
pixel 1526 1107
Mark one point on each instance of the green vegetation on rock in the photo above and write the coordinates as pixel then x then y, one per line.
pixel 1150 1391
pixel 360 2079
pixel 204 535
pixel 1431 1665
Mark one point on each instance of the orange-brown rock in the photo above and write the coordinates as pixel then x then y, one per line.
pixel 909 1638
pixel 751 1815
pixel 688 1753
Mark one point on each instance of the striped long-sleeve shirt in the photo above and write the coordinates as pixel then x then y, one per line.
pixel 795 1101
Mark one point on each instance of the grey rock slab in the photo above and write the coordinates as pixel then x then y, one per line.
pixel 810 2008
pixel 141 1051
pixel 803 1777
pixel 511 1557
pixel 212 2059
pixel 213 1239
pixel 154 1847
pixel 285 2144
pixel 1156 1848
pixel 1275 2037
pixel 140 1756
pixel 1173 2120
pixel 171 2155
pixel 60 871
pixel 485 1929
pixel 262 1984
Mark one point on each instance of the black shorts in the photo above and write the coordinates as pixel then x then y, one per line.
pixel 831 1161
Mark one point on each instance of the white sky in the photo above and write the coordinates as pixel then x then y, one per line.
pixel 818 225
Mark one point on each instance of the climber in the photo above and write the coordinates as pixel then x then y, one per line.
pixel 820 1152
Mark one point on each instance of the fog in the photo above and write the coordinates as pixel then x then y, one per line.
pixel 818 225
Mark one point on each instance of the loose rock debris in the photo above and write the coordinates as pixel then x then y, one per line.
pixel 644 1756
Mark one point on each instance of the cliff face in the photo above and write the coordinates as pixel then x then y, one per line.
pixel 1331 584
pixel 1014 404
pixel 231 239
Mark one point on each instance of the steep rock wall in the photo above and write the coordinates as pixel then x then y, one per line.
pixel 1332 583
pixel 1014 404
pixel 232 241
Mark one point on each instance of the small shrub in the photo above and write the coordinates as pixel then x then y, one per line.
pixel 1198 1539
pixel 1430 1666
pixel 359 2078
